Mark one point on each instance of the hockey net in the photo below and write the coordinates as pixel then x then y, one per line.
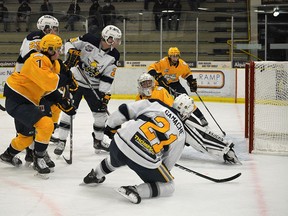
pixel 266 107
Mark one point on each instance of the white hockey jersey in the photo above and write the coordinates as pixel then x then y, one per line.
pixel 29 45
pixel 98 65
pixel 152 134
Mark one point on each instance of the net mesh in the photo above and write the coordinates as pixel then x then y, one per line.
pixel 271 107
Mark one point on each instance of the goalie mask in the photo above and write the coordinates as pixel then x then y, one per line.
pixel 184 105
pixel 146 84
pixel 48 24
pixel 112 32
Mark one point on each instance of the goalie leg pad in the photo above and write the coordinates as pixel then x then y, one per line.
pixel 206 141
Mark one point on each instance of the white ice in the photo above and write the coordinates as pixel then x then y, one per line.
pixel 261 190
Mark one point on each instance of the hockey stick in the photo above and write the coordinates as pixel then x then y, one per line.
pixel 207 177
pixel 210 113
pixel 2 108
pixel 90 86
pixel 69 161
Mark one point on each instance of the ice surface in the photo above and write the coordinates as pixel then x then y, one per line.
pixel 261 190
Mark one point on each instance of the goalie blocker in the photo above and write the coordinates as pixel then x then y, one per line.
pixel 207 142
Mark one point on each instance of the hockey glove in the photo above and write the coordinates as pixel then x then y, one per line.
pixel 110 132
pixel 66 106
pixel 72 58
pixel 160 79
pixel 193 85
pixel 103 102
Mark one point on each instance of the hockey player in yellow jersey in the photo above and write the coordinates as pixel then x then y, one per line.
pixel 46 24
pixel 41 75
pixel 167 72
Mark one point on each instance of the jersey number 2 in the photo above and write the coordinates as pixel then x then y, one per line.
pixel 149 130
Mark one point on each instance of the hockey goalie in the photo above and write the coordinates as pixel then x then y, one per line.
pixel 206 141
pixel 200 138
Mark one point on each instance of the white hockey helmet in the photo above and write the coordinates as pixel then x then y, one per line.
pixel 111 31
pixel 47 22
pixel 184 105
pixel 146 84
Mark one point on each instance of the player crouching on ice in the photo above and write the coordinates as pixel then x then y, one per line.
pixel 150 143
pixel 41 75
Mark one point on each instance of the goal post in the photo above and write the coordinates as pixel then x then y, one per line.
pixel 266 107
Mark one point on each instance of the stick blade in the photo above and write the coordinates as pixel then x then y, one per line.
pixel 228 179
pixel 68 161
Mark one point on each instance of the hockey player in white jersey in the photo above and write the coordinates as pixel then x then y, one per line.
pixel 46 24
pixel 98 64
pixel 150 143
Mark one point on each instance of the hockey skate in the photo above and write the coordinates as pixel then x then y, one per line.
pixel 53 140
pixel 49 162
pixel 60 147
pixel 9 159
pixel 28 157
pixel 40 166
pixel 91 178
pixel 130 193
pixel 99 145
pixel 231 157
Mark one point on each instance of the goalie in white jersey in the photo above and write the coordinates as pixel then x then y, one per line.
pixel 150 143
pixel 94 73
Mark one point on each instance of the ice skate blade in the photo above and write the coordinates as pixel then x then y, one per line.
pixel 100 151
pixel 29 165
pixel 41 176
pixel 131 197
pixel 88 185
pixel 57 156
pixel 17 166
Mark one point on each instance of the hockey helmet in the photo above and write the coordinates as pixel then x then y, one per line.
pixel 47 22
pixel 146 84
pixel 173 51
pixel 50 42
pixel 113 32
pixel 184 105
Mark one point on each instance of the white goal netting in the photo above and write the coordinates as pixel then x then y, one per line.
pixel 270 107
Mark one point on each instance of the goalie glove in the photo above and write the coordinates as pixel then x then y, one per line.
pixel 65 104
pixel 160 79
pixel 72 58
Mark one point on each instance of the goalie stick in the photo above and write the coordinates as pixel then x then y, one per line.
pixel 2 108
pixel 208 177
pixel 210 114
pixel 69 161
